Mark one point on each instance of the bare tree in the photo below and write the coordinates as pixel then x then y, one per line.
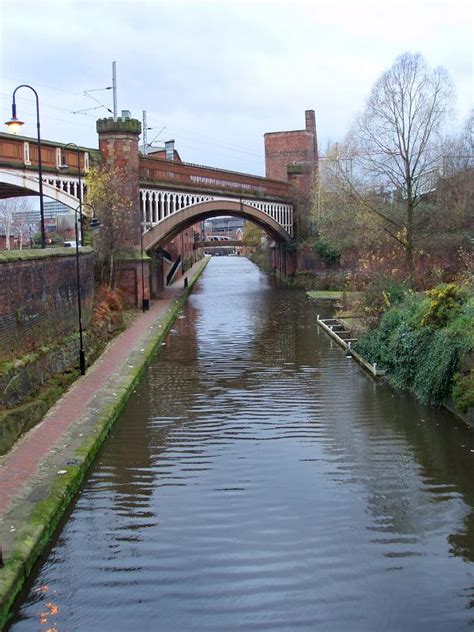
pixel 108 194
pixel 23 229
pixel 396 144
pixel 455 190
pixel 7 219
pixel 14 218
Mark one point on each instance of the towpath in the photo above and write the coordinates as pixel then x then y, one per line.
pixel 27 470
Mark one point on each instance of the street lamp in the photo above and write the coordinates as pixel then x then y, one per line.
pixel 14 125
pixel 95 223
pixel 64 166
pixel 145 301
pixel 82 355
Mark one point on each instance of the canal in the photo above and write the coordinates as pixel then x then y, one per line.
pixel 259 480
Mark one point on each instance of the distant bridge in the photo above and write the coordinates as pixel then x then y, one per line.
pixel 224 243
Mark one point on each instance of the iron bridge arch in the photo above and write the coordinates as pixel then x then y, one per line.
pixel 169 227
pixel 18 184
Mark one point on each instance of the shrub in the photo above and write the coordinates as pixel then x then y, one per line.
pixel 381 294
pixel 435 369
pixel 420 343
pixel 463 391
pixel 107 306
pixel 405 347
pixel 463 325
pixel 446 302
pixel 110 297
pixel 328 253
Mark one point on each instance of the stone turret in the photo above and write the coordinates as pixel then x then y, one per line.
pixel 118 143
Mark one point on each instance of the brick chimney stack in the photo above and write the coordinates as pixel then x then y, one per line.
pixel 293 156
pixel 311 127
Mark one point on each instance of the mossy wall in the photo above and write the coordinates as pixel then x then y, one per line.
pixel 38 298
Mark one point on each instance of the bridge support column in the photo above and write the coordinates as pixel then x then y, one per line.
pixel 130 282
pixel 302 179
pixel 290 261
pixel 283 260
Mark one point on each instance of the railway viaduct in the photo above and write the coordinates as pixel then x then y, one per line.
pixel 169 195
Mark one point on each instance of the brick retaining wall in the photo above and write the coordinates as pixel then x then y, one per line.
pixel 38 297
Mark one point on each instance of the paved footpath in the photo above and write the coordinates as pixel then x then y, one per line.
pixel 22 469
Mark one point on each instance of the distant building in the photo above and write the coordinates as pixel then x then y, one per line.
pixel 168 152
pixel 52 209
pixel 224 225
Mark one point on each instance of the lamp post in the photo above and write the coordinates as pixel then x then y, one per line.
pixel 145 301
pixel 63 166
pixel 82 355
pixel 14 125
pixel 96 224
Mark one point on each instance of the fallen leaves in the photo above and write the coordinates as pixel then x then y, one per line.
pixel 52 610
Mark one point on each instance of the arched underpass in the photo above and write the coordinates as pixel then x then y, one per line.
pixel 169 227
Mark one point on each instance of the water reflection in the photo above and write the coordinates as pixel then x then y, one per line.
pixel 258 480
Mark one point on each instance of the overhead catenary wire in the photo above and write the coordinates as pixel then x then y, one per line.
pixel 193 137
pixel 72 123
pixel 188 134
pixel 208 140
pixel 42 85
pixel 44 104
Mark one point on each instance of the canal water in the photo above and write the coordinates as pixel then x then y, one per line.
pixel 259 480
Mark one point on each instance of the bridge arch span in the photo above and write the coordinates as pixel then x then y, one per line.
pixel 169 227
pixel 17 184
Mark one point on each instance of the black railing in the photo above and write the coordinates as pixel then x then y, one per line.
pixel 165 255
pixel 173 270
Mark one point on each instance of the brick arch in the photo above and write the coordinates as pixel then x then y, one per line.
pixel 173 224
pixel 18 184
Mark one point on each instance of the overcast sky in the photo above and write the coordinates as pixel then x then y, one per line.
pixel 218 75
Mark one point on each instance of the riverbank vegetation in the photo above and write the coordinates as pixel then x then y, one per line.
pixel 425 343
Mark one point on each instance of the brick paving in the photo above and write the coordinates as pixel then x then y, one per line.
pixel 21 465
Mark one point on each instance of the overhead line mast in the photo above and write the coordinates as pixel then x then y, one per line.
pixel 145 135
pixel 114 87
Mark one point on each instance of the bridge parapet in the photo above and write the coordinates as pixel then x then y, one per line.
pixel 21 152
pixel 190 176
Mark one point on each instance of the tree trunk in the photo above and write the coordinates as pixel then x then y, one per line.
pixel 111 271
pixel 409 249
